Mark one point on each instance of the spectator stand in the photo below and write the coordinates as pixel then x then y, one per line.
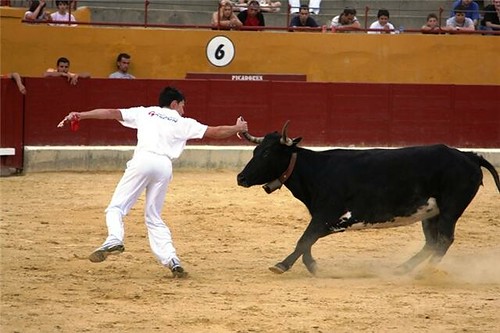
pixel 406 16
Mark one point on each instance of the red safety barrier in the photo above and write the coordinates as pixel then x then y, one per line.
pixel 324 114
pixel 11 124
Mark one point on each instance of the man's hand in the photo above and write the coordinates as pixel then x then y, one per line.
pixel 73 79
pixel 22 88
pixel 241 124
pixel 71 117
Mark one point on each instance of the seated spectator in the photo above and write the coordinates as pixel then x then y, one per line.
pixel 37 13
pixel 224 18
pixel 252 17
pixel 491 21
pixel 62 14
pixel 347 19
pixel 382 23
pixel 18 80
pixel 314 6
pixel 471 9
pixel 122 64
pixel 63 70
pixel 303 19
pixel 459 22
pixel 431 24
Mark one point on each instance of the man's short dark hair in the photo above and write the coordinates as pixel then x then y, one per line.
pixel 302 7
pixel 382 12
pixel 432 15
pixel 122 56
pixel 60 1
pixel 168 95
pixel 62 60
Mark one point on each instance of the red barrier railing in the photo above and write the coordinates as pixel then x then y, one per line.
pixel 405 114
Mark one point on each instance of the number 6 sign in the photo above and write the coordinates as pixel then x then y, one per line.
pixel 220 51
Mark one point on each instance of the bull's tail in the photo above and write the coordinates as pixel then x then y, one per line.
pixel 481 161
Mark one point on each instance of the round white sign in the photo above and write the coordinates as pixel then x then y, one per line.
pixel 220 51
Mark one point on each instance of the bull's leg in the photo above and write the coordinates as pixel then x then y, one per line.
pixel 446 236
pixel 313 232
pixel 309 262
pixel 304 244
pixel 451 207
pixel 430 229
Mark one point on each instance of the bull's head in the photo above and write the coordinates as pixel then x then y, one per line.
pixel 271 160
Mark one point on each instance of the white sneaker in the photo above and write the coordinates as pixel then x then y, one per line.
pixel 177 270
pixel 104 251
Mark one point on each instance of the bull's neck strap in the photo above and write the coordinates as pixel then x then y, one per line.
pixel 277 183
pixel 283 178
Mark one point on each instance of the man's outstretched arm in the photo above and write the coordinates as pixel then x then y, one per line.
pixel 92 114
pixel 222 132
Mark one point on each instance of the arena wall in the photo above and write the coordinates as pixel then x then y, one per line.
pixel 160 53
pixel 324 114
pixel 358 90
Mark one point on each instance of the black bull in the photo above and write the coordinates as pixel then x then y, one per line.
pixel 351 189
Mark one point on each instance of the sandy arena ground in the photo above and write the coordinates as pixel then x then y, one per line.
pixel 227 237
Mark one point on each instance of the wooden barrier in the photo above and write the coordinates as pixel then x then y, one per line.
pixel 324 114
pixel 11 125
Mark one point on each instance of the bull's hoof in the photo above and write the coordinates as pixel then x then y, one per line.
pixel 312 267
pixel 278 268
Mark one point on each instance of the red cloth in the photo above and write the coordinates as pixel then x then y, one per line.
pixel 75 125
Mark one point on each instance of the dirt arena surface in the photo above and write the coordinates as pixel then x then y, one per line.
pixel 227 237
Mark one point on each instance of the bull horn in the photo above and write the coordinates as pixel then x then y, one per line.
pixel 284 137
pixel 252 138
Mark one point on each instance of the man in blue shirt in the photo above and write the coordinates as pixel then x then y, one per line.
pixel 472 10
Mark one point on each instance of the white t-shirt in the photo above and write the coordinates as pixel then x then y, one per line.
pixel 120 75
pixel 62 18
pixel 376 25
pixel 451 22
pixel 161 130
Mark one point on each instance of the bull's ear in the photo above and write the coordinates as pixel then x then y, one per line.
pixel 296 140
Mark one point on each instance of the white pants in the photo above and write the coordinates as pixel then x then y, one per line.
pixel 313 6
pixel 153 173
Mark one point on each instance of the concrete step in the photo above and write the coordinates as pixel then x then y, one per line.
pixel 410 14
pixel 327 6
pixel 193 5
pixel 427 6
pixel 155 16
pixel 188 17
pixel 332 7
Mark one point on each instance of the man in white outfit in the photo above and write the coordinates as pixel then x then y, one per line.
pixel 313 6
pixel 162 132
